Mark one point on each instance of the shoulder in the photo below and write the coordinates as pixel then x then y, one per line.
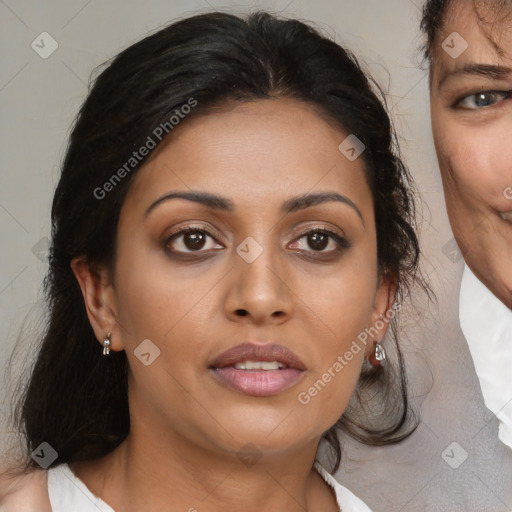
pixel 24 492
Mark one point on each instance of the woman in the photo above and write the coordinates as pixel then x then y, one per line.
pixel 231 230
pixel 469 46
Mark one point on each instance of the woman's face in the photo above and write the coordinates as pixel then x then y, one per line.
pixel 245 311
pixel 471 107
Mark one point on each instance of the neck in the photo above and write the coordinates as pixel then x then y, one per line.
pixel 157 474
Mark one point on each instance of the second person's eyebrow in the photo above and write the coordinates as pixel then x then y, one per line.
pixel 475 69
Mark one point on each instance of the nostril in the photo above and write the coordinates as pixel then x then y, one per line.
pixel 241 312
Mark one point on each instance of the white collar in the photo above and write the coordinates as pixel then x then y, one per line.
pixel 347 501
pixel 67 492
pixel 487 325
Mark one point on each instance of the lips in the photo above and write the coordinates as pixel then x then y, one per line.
pixel 258 369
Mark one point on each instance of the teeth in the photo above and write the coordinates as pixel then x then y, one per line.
pixel 259 365
pixel 506 216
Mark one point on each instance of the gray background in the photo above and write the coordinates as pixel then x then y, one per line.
pixel 39 99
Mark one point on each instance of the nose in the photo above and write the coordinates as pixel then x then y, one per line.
pixel 258 291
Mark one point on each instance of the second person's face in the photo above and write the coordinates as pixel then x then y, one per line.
pixel 471 105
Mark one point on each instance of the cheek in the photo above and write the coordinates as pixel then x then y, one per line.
pixel 157 302
pixel 343 299
pixel 474 158
pixel 153 296
pixel 343 337
pixel 327 393
pixel 464 163
pixel 349 298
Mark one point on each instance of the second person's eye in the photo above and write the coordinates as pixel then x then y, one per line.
pixel 483 99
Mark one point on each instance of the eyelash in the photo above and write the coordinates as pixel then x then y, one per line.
pixel 341 241
pixel 505 95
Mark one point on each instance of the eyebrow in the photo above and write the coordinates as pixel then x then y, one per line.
pixel 216 202
pixel 482 70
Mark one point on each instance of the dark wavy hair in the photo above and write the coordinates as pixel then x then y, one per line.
pixel 431 22
pixel 434 13
pixel 77 400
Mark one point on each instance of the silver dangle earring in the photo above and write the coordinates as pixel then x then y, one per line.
pixel 380 353
pixel 106 345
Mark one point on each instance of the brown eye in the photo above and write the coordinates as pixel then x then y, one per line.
pixel 191 240
pixel 194 241
pixel 321 241
pixel 318 241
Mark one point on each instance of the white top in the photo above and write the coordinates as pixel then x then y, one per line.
pixel 487 325
pixel 68 493
pixel 347 501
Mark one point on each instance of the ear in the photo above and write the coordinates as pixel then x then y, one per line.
pixel 382 312
pixel 99 299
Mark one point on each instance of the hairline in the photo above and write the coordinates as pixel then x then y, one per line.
pixel 432 46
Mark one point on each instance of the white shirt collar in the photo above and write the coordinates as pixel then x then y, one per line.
pixel 487 325
pixel 67 492
pixel 347 501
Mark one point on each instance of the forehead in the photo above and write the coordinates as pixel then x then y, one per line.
pixel 264 133
pixel 483 27
pixel 262 149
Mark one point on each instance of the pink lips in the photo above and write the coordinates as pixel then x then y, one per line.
pixel 258 382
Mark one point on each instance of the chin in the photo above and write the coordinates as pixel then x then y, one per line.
pixel 499 280
pixel 496 277
pixel 270 438
pixel 506 297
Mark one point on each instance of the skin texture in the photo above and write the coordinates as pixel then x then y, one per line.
pixel 471 114
pixel 186 426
